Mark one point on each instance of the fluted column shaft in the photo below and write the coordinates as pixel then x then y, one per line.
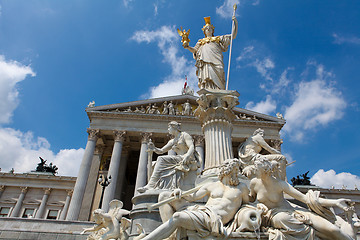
pixel 66 206
pixel 113 169
pixel 16 211
pixel 218 142
pixel 216 115
pixel 141 177
pixel 122 172
pixel 41 210
pixel 80 185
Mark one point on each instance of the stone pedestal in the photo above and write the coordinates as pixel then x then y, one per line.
pixel 216 116
pixel 140 213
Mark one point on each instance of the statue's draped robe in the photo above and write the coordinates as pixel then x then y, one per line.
pixel 169 170
pixel 209 61
pixel 295 224
pixel 206 221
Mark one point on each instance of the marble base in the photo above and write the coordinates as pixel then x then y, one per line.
pixel 140 213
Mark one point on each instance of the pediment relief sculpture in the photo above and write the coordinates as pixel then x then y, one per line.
pixel 163 108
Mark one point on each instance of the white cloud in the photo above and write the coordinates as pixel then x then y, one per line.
pixel 251 58
pixel 264 66
pixel 331 178
pixel 349 39
pixel 127 2
pixel 155 9
pixel 246 53
pixel 282 84
pixel 226 10
pixel 316 103
pixel 11 73
pixel 266 107
pixel 21 151
pixel 168 41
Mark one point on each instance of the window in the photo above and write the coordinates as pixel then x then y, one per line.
pixel 52 214
pixel 28 213
pixel 4 211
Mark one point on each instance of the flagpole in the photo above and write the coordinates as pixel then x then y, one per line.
pixel 231 39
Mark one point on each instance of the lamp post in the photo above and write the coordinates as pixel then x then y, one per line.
pixel 104 182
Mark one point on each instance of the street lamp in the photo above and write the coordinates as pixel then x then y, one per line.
pixel 104 182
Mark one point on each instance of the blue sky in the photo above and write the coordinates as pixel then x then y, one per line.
pixel 299 58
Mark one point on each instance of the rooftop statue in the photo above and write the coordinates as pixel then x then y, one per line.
pixel 170 170
pixel 43 167
pixel 208 53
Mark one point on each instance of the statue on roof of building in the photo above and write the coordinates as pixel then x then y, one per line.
pixel 43 167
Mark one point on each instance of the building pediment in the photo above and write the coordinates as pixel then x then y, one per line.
pixel 172 106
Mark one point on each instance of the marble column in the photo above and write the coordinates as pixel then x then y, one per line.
pixel 16 211
pixel 91 184
pixel 66 206
pixel 199 147
pixel 80 185
pixel 216 116
pixel 122 172
pixel 113 169
pixel 40 212
pixel 142 172
pixel 2 189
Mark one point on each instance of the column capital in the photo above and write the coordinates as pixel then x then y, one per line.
pixel 47 191
pixel 99 149
pixel 199 140
pixel 24 189
pixel 2 188
pixel 93 134
pixel 70 192
pixel 119 135
pixel 145 137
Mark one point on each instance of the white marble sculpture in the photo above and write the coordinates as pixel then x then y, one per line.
pixel 170 170
pixel 187 110
pixel 249 151
pixel 91 104
pixel 225 197
pixel 208 53
pixel 110 225
pixel 288 221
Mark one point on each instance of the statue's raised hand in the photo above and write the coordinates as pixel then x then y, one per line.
pixel 151 147
pixel 185 44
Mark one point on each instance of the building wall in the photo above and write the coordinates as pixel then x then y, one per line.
pixel 35 185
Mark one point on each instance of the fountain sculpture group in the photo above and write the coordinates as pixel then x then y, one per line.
pixel 231 198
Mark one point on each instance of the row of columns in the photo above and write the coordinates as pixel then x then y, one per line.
pixel 113 171
pixel 41 210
